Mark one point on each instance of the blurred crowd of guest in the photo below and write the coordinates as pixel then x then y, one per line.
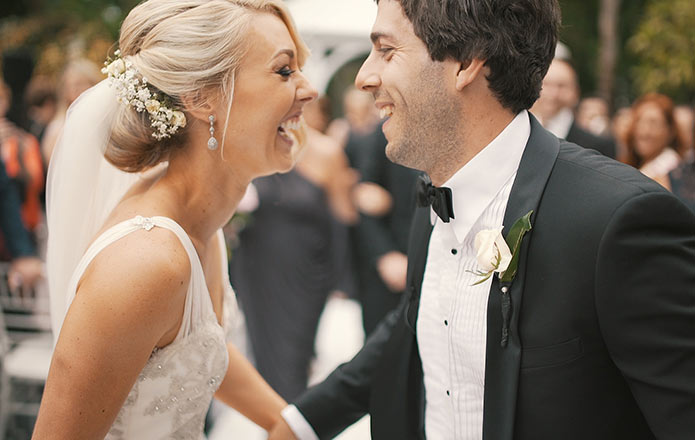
pixel 338 223
pixel 32 108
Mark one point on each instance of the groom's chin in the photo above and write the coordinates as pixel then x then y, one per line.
pixel 396 153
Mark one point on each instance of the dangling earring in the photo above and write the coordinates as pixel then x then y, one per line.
pixel 212 142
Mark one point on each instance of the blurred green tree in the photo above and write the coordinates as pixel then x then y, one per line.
pixel 665 48
pixel 580 32
pixel 55 31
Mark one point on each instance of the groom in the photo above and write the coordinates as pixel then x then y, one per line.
pixel 593 335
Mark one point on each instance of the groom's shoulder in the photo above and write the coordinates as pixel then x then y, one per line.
pixel 599 175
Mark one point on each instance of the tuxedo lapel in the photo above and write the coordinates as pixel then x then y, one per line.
pixel 417 257
pixel 502 363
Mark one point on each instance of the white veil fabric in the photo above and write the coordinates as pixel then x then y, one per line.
pixel 82 189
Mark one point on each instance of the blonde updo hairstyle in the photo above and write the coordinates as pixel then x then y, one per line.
pixel 188 50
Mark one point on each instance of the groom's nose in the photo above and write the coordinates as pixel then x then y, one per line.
pixel 367 78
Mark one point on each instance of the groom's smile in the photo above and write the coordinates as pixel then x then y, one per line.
pixel 411 91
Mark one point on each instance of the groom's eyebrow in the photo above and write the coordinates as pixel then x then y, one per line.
pixel 375 36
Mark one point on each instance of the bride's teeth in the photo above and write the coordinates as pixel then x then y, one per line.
pixel 292 124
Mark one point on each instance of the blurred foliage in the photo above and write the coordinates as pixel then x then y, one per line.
pixel 656 40
pixel 665 46
pixel 56 31
pixel 580 33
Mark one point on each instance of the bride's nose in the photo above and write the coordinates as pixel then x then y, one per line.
pixel 306 92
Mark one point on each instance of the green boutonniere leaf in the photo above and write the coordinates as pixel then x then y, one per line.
pixel 513 239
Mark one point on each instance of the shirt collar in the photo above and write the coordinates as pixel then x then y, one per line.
pixel 476 184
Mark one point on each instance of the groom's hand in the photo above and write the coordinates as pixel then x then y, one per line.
pixel 281 431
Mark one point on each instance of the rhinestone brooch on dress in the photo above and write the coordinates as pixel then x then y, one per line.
pixel 145 223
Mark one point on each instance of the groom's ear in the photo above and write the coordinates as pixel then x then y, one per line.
pixel 468 72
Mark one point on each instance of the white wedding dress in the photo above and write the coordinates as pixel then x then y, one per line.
pixel 172 394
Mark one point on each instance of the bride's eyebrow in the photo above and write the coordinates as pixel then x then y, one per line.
pixel 288 52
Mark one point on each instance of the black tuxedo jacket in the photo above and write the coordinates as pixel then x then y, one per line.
pixel 586 139
pixel 602 334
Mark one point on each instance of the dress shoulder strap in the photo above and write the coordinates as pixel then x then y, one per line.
pixel 193 305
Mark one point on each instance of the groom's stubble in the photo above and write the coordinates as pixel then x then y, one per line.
pixel 426 127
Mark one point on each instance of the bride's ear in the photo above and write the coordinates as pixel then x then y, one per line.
pixel 468 72
pixel 198 107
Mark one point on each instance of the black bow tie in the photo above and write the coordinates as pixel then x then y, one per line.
pixel 438 198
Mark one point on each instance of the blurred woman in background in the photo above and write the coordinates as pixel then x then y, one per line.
pixel 653 141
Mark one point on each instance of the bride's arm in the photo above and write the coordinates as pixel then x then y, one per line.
pixel 244 389
pixel 130 297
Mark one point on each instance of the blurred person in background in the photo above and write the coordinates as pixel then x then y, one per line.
pixel 150 166
pixel 292 254
pixel 593 116
pixel 42 104
pixel 380 240
pixel 685 123
pixel 555 109
pixel 385 199
pixel 359 121
pixel 17 68
pixel 21 156
pixel 681 180
pixel 620 125
pixel 653 140
pixel 26 267
pixel 78 76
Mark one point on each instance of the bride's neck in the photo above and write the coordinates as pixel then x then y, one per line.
pixel 203 195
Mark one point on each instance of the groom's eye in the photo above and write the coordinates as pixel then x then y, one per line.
pixel 385 51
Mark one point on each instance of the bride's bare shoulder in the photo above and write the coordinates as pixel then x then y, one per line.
pixel 143 271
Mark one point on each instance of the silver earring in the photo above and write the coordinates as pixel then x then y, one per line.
pixel 212 142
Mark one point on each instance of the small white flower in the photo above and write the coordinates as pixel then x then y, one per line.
pixel 134 92
pixel 492 252
pixel 116 68
pixel 179 119
pixel 152 105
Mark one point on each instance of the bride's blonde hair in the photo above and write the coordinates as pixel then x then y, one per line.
pixel 186 49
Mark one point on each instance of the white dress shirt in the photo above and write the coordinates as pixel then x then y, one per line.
pixel 452 320
pixel 451 325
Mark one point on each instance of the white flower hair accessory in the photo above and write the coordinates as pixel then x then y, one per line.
pixel 132 90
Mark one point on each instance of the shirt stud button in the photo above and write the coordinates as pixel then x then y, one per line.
pixel 446 322
pixel 454 251
pixel 448 393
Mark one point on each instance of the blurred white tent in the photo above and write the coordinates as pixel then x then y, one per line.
pixel 337 31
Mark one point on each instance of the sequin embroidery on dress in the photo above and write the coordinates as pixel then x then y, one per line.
pixel 171 396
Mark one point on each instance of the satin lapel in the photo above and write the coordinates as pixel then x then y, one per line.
pixel 502 363
pixel 417 257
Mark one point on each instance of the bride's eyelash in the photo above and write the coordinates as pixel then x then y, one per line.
pixel 285 72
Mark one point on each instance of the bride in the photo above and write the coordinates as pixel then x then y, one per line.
pixel 202 97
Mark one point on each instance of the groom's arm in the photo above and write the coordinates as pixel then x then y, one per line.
pixel 645 301
pixel 343 398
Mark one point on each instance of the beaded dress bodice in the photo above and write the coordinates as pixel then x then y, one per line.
pixel 171 396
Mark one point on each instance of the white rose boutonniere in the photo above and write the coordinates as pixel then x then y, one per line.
pixel 492 253
pixel 501 254
pixel 498 254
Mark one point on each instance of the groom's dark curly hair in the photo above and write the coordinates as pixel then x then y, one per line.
pixel 516 38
